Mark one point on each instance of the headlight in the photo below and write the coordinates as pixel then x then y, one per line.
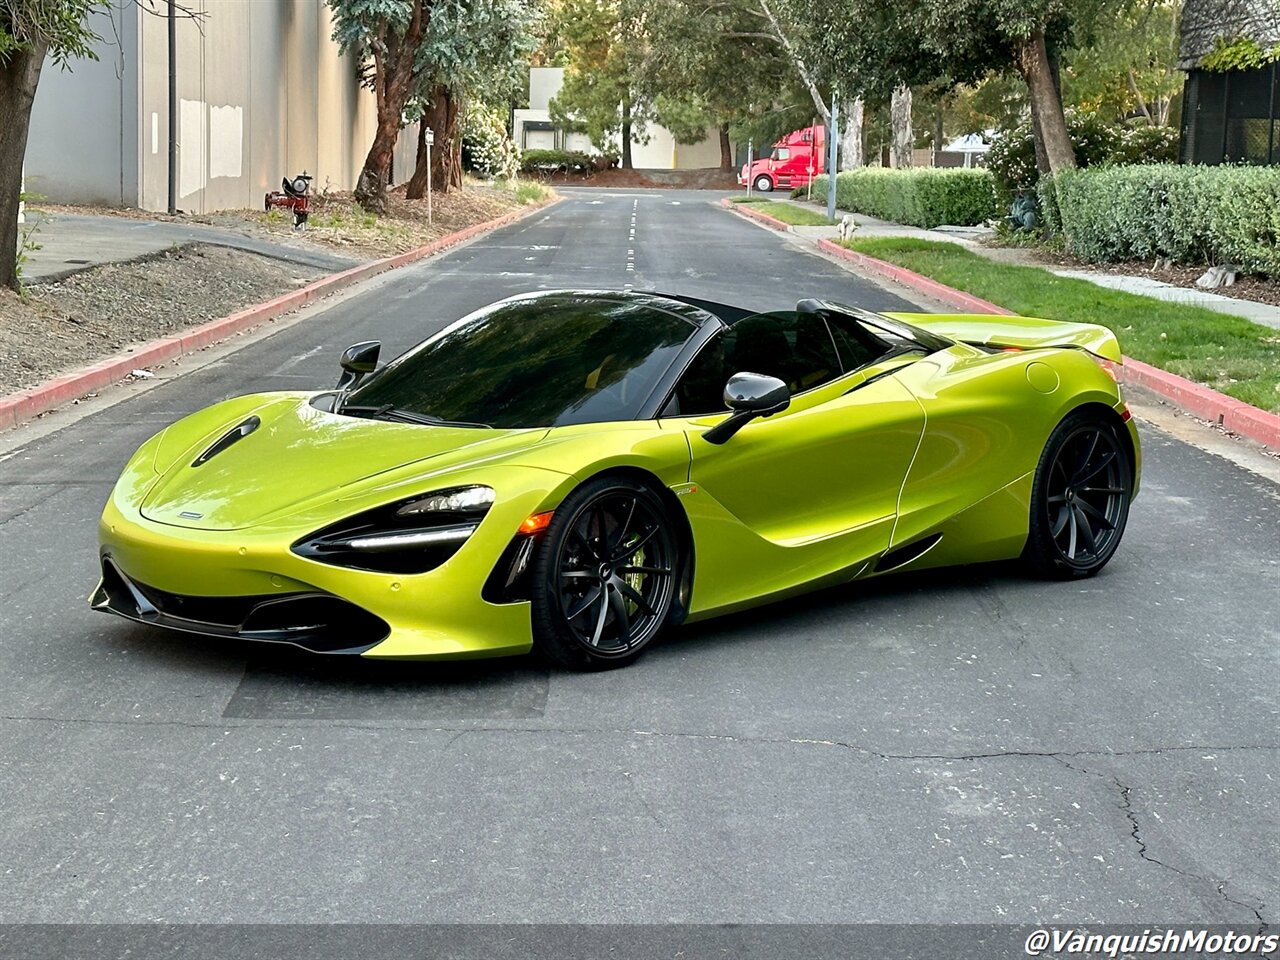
pixel 412 536
pixel 457 500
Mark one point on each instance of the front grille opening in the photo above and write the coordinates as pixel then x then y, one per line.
pixel 511 580
pixel 315 621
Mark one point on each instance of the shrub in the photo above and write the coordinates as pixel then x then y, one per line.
pixel 556 161
pixel 925 197
pixel 486 148
pixel 1191 214
pixel 1012 157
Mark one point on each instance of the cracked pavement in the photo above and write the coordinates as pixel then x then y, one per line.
pixel 962 746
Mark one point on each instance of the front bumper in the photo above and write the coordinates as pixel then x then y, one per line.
pixel 248 584
pixel 310 620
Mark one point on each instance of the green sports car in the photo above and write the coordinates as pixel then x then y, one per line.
pixel 573 472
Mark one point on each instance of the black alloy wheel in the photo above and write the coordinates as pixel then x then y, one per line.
pixel 1080 502
pixel 606 575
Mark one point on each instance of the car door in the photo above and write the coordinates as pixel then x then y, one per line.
pixel 804 495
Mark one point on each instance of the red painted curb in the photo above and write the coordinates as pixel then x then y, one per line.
pixel 1231 414
pixel 16 408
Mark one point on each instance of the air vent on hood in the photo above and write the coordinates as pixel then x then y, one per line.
pixel 238 432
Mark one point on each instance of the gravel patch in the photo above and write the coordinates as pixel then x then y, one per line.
pixel 87 317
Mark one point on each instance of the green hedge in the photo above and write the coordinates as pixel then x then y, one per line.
pixel 1191 214
pixel 927 197
pixel 552 161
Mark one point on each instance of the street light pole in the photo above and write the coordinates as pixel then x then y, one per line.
pixel 832 144
pixel 173 108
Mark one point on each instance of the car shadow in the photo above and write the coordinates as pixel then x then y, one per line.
pixel 868 598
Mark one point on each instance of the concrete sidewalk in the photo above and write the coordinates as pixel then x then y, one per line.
pixel 70 243
pixel 971 238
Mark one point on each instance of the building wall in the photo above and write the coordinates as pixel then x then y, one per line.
pixel 262 93
pixel 544 84
pixel 76 150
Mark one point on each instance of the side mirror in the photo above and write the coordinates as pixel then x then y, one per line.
pixel 749 395
pixel 358 360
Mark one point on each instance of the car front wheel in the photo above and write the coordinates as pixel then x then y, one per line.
pixel 764 184
pixel 604 575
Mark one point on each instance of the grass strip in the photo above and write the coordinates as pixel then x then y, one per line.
pixel 786 212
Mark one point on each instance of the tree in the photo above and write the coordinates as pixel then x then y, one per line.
pixel 473 49
pixel 1128 67
pixel 385 36
pixel 30 30
pixel 718 65
pixel 604 47
pixel 869 47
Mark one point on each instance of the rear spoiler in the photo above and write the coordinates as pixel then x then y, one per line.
pixel 1019 333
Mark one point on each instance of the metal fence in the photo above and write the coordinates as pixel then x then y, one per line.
pixel 1231 117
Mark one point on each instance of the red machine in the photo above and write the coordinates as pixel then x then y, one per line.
pixel 295 196
pixel 795 160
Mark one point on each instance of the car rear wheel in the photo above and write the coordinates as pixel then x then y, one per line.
pixel 604 575
pixel 764 184
pixel 1080 500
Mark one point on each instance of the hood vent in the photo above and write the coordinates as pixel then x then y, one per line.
pixel 238 432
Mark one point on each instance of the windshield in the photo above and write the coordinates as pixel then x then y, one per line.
pixel 533 363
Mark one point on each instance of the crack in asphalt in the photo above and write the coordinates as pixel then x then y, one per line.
pixel 1144 853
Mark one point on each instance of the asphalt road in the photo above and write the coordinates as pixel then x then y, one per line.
pixel 967 746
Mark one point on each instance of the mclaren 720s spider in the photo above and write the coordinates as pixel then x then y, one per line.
pixel 575 471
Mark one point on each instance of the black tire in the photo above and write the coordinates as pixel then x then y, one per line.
pixel 1080 498
pixel 764 184
pixel 604 576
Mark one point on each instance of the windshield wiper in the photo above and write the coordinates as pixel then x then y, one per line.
pixel 389 411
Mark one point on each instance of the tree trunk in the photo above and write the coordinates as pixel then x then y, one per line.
pixel 851 134
pixel 1046 102
pixel 441 115
pixel 1037 141
pixel 939 132
pixel 392 84
pixel 726 148
pixel 19 75
pixel 900 119
pixel 626 135
pixel 371 187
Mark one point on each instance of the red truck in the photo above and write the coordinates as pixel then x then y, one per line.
pixel 795 160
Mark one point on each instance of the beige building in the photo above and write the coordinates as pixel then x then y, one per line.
pixel 262 93
pixel 533 129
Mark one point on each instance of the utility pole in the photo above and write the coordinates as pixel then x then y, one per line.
pixel 832 145
pixel 751 159
pixel 173 107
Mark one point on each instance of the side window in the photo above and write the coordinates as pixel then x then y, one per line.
pixel 782 153
pixel 701 390
pixel 794 347
pixel 858 346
